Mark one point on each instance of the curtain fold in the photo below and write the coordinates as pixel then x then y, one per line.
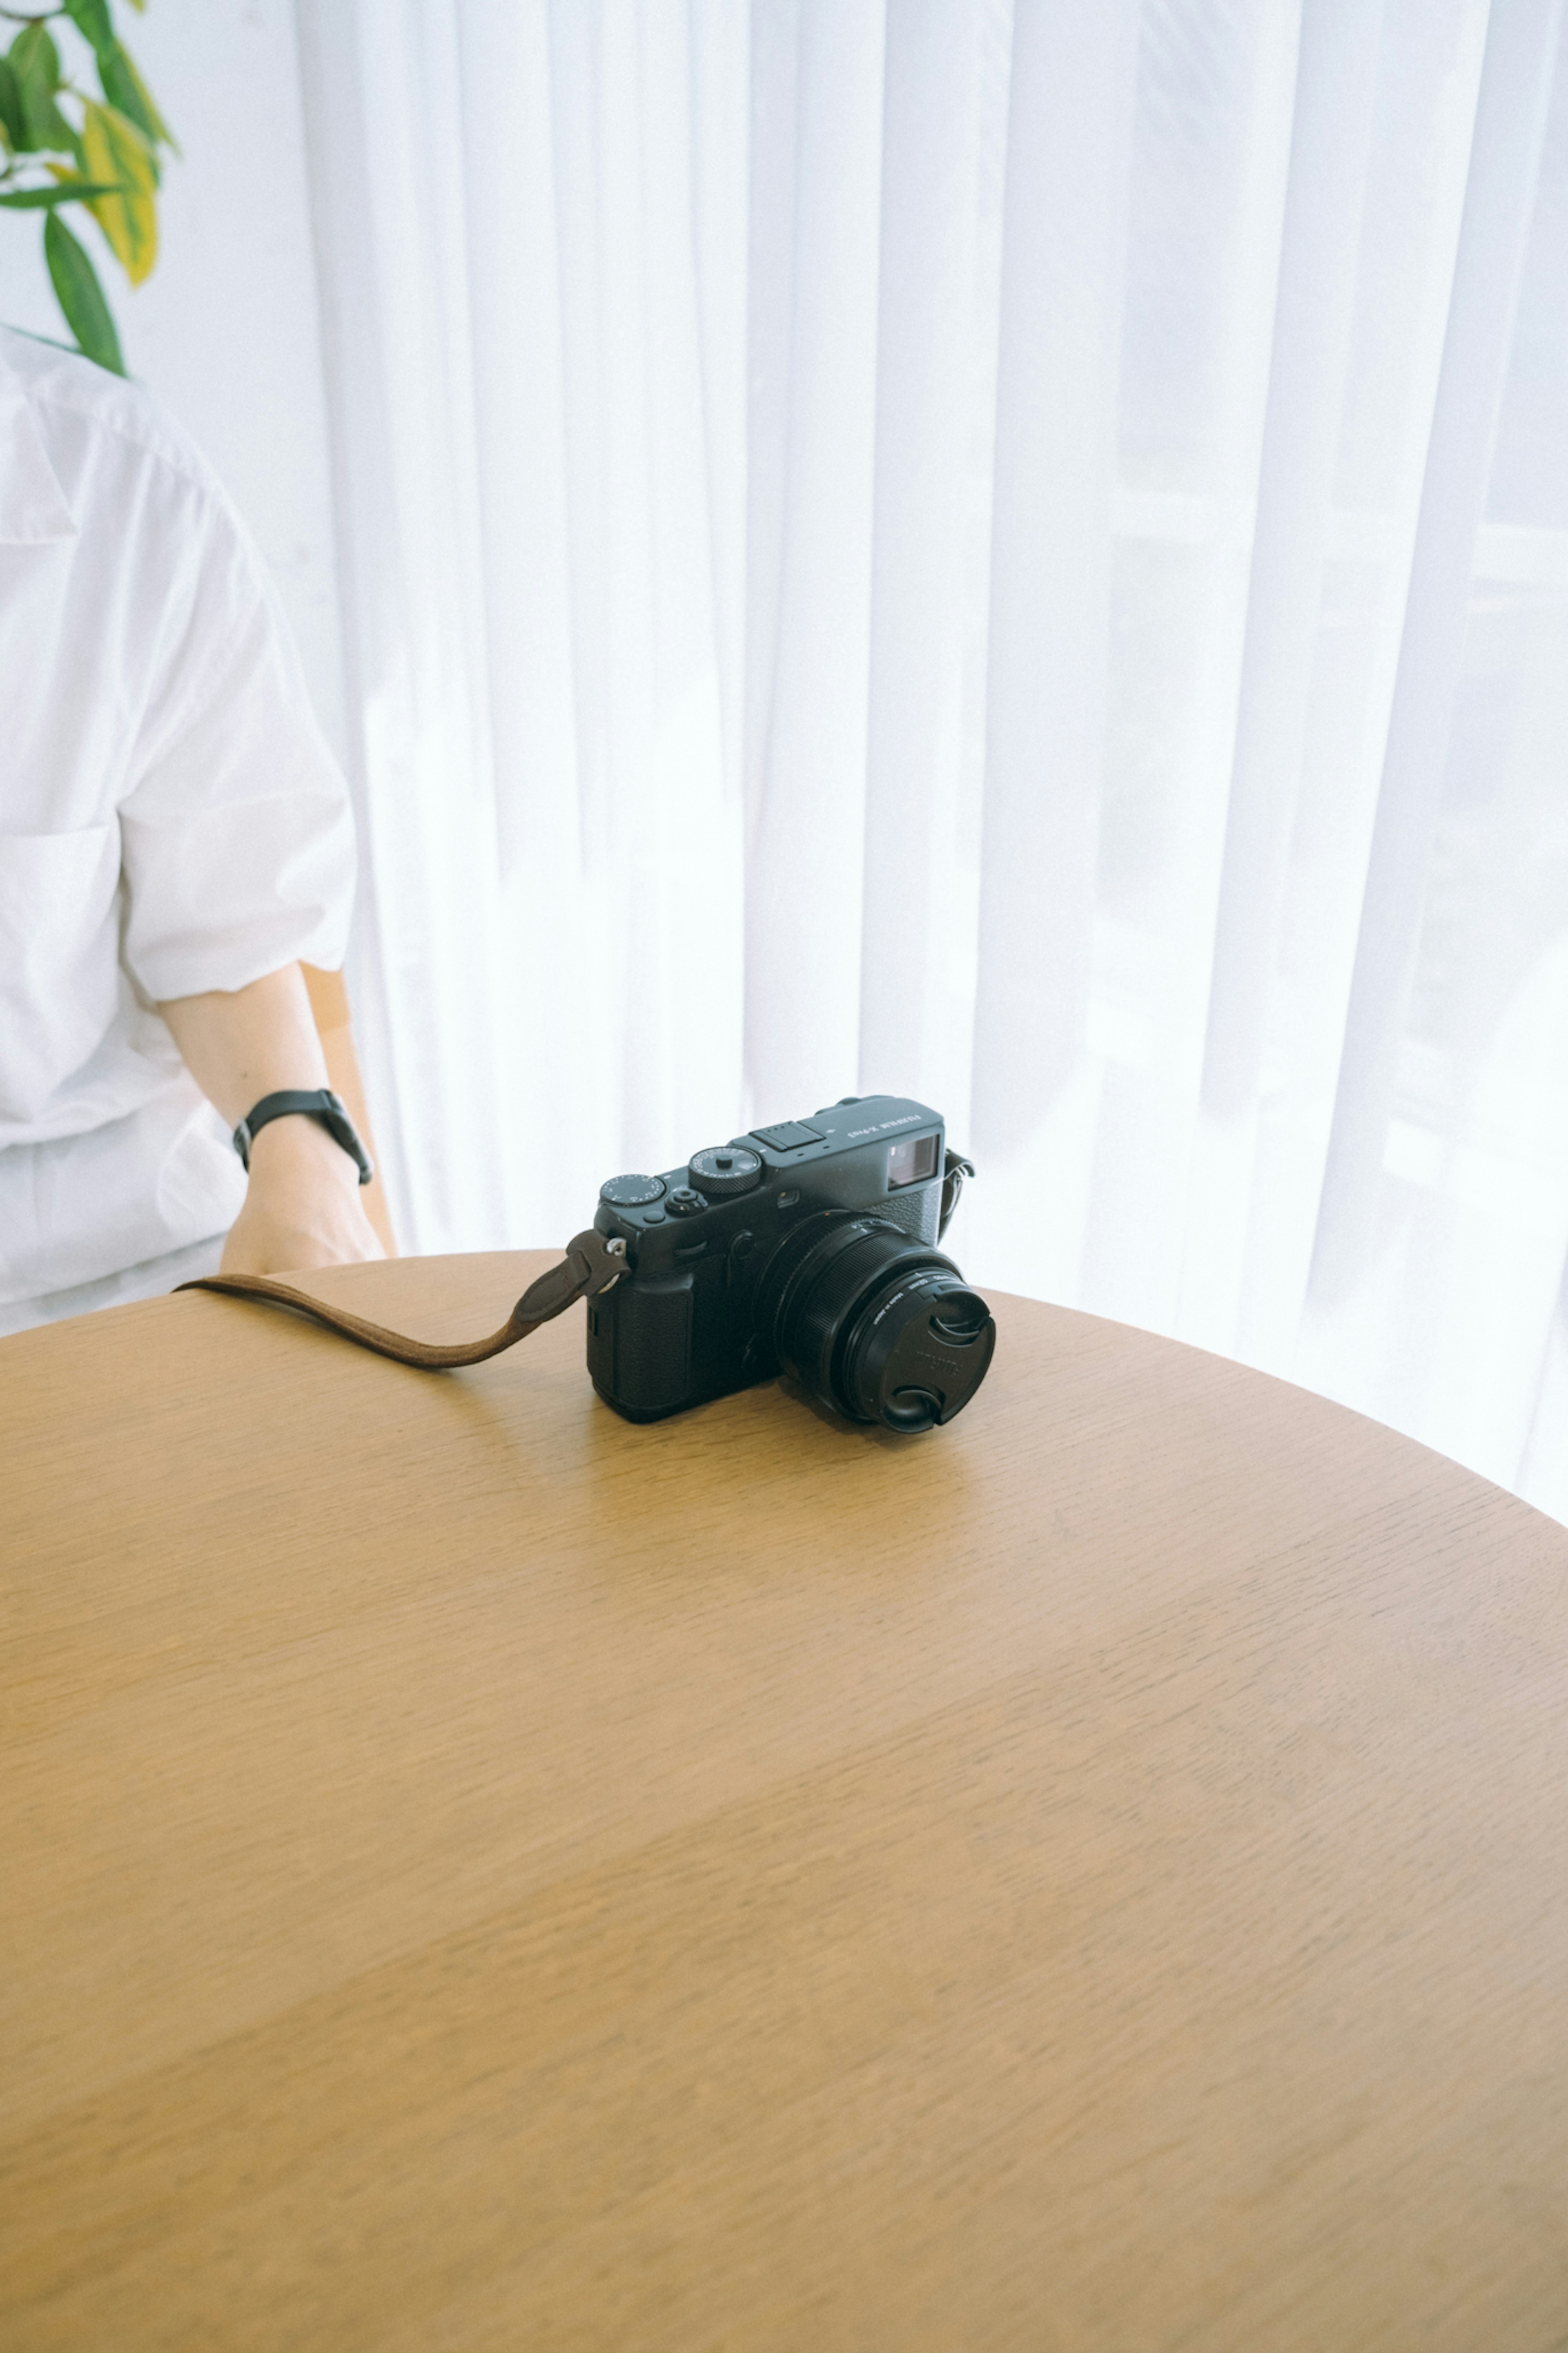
pixel 1499 195
pixel 996 549
pixel 1069 136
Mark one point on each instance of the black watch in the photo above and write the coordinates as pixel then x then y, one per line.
pixel 318 1103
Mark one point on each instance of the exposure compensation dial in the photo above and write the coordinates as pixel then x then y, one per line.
pixel 630 1192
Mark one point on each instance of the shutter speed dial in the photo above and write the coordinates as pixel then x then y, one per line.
pixel 725 1168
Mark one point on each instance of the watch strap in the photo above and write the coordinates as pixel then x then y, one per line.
pixel 318 1103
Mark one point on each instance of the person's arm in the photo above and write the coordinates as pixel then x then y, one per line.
pixel 303 1207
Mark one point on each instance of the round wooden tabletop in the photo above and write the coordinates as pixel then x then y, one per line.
pixel 479 1874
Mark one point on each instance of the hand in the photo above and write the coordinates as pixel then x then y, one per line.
pixel 303 1207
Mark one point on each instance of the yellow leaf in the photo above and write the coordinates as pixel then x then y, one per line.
pixel 115 150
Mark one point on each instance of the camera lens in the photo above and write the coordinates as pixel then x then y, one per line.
pixel 882 1327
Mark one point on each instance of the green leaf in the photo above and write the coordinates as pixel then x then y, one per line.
pixel 70 191
pixel 91 19
pixel 117 151
pixel 125 90
pixel 36 62
pixel 80 296
pixel 13 121
pixel 35 58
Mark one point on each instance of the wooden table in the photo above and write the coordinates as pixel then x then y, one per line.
pixel 477 1874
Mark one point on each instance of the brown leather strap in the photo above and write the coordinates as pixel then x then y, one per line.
pixel 590 1266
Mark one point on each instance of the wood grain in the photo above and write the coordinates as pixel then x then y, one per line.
pixel 478 1874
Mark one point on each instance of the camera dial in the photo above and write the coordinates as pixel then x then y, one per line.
pixel 725 1168
pixel 630 1192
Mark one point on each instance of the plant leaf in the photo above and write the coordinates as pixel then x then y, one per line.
pixel 120 91
pixel 13 121
pixel 35 58
pixel 67 190
pixel 36 62
pixel 161 129
pixel 125 88
pixel 117 151
pixel 80 297
pixel 91 19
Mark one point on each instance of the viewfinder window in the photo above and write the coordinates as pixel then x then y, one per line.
pixel 911 1162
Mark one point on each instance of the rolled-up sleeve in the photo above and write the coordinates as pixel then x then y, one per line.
pixel 237 842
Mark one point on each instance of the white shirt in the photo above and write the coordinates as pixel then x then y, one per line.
pixel 170 820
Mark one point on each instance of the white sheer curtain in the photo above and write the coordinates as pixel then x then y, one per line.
pixel 1007 550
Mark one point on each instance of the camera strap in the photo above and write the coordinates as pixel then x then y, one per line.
pixel 955 1170
pixel 591 1264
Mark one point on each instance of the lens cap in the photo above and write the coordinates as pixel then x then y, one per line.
pixel 920 1350
pixel 877 1324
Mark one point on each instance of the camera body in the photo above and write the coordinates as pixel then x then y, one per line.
pixel 809 1248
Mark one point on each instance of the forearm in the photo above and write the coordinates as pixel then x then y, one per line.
pixel 303 1207
pixel 241 1044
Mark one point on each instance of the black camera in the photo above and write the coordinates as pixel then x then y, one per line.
pixel 808 1249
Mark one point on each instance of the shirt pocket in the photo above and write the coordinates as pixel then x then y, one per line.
pixel 60 959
